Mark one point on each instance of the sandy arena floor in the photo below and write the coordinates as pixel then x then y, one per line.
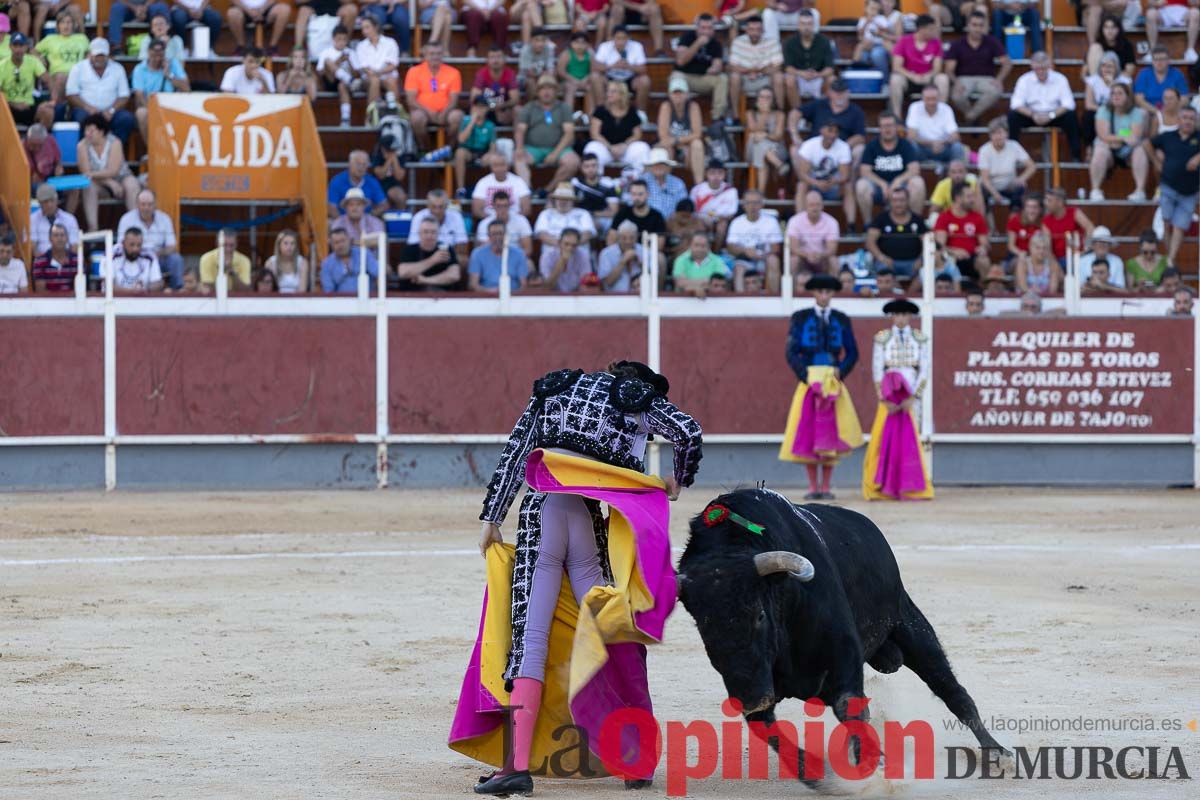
pixel 279 645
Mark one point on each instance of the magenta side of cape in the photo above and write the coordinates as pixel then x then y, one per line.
pixel 477 711
pixel 899 470
pixel 817 429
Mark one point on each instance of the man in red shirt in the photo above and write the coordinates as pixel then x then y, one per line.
pixel 1062 220
pixel 54 270
pixel 962 235
pixel 497 84
pixel 1021 227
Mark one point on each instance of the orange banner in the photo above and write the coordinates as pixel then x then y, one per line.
pixel 240 148
pixel 14 185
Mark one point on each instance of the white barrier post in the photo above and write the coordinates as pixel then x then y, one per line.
pixel 789 290
pixel 381 256
pixel 81 273
pixel 1068 277
pixel 653 337
pixel 381 366
pixel 505 287
pixel 110 363
pixel 928 295
pixel 222 281
pixel 1076 285
pixel 644 281
pixel 364 293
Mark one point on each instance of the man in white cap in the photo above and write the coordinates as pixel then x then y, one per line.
pixel 98 85
pixel 561 214
pixel 356 221
pixel 665 189
pixel 1109 278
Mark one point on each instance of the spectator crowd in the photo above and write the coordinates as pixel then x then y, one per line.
pixel 561 164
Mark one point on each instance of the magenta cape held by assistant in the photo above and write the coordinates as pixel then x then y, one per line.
pixel 895 466
pixel 822 425
pixel 597 658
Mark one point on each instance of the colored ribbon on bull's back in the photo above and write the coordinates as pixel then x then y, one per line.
pixel 597 658
pixel 822 424
pixel 894 467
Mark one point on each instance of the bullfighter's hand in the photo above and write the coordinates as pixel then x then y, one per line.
pixel 489 533
pixel 673 487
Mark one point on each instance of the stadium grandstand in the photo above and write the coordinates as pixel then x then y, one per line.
pixel 696 163
pixel 501 53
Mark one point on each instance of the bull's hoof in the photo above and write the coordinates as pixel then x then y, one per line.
pixel 639 783
pixel 503 785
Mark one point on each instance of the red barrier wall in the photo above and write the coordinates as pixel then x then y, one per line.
pixel 733 375
pixel 52 379
pixel 245 375
pixel 473 374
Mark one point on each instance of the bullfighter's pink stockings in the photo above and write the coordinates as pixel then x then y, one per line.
pixel 526 700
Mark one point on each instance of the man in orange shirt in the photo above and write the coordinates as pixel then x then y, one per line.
pixel 432 90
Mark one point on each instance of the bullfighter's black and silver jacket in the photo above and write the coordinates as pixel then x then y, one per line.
pixel 596 415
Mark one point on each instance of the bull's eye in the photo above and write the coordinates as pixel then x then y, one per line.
pixel 762 617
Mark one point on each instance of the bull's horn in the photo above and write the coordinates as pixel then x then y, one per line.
pixel 680 580
pixel 784 561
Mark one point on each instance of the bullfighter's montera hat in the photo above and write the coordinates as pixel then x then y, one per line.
pixel 901 307
pixel 823 282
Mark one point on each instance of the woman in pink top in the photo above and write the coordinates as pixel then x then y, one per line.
pixel 916 63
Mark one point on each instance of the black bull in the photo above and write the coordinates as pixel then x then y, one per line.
pixel 797 610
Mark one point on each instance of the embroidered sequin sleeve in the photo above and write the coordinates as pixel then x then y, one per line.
pixel 665 420
pixel 510 470
pixel 849 346
pixel 924 367
pixel 797 358
pixel 878 363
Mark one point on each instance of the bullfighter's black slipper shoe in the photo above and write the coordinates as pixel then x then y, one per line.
pixel 503 785
pixel 640 783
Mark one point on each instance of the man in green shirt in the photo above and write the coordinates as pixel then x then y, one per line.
pixel 544 135
pixel 698 270
pixel 20 74
pixel 62 50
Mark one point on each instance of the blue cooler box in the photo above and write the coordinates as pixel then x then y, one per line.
pixel 398 224
pixel 1014 42
pixel 67 136
pixel 864 81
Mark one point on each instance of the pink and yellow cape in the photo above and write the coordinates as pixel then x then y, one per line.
pixel 894 467
pixel 597 656
pixel 822 425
